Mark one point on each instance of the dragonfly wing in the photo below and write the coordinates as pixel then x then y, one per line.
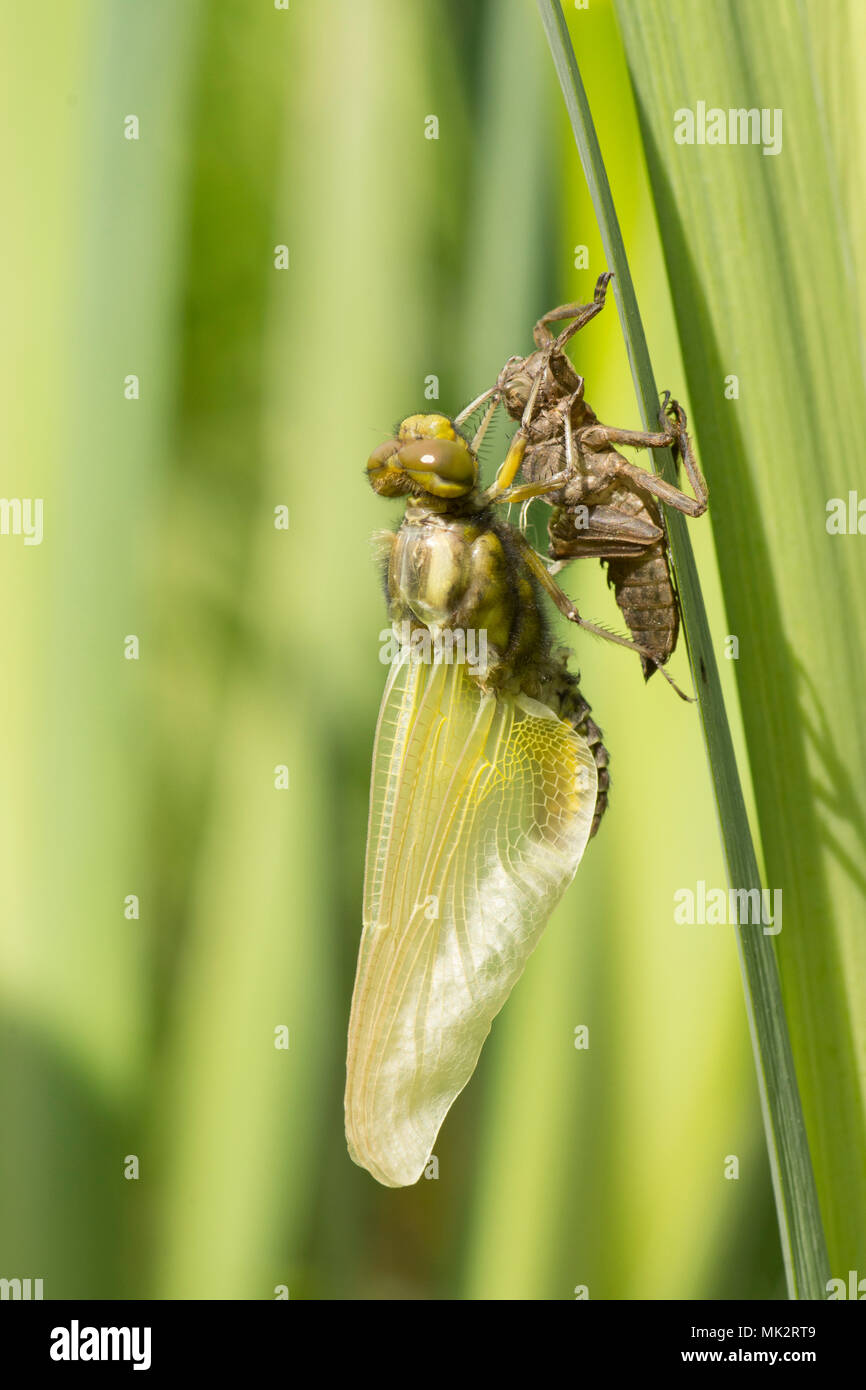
pixel 480 810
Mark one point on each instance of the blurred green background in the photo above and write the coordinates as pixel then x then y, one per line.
pixel 258 647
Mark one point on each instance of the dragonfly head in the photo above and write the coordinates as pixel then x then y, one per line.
pixel 515 383
pixel 517 379
pixel 428 456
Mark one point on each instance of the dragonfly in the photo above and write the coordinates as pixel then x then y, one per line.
pixel 488 782
pixel 602 505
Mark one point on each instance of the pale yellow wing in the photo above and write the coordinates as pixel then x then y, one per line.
pixel 480 810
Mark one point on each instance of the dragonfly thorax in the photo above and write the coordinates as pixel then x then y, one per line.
pixel 458 573
pixel 558 379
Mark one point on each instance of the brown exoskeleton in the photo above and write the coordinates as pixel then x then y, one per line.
pixel 603 506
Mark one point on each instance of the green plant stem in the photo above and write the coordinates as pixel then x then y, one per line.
pixel 802 1236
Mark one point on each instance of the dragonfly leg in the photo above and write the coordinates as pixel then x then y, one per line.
pixel 567 607
pixel 524 492
pixel 517 448
pixel 482 428
pixel 492 391
pixel 582 314
pixel 570 451
pixel 471 408
pixel 599 438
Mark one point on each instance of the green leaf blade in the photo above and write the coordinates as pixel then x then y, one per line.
pixel 797 1207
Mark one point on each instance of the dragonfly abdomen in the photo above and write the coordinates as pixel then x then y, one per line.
pixel 575 710
pixel 645 594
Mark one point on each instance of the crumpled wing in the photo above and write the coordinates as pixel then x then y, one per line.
pixel 480 810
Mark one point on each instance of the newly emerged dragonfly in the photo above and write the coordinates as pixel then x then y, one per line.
pixel 487 785
pixel 603 506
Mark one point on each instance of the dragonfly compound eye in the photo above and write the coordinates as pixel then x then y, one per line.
pixel 443 467
pixel 384 473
